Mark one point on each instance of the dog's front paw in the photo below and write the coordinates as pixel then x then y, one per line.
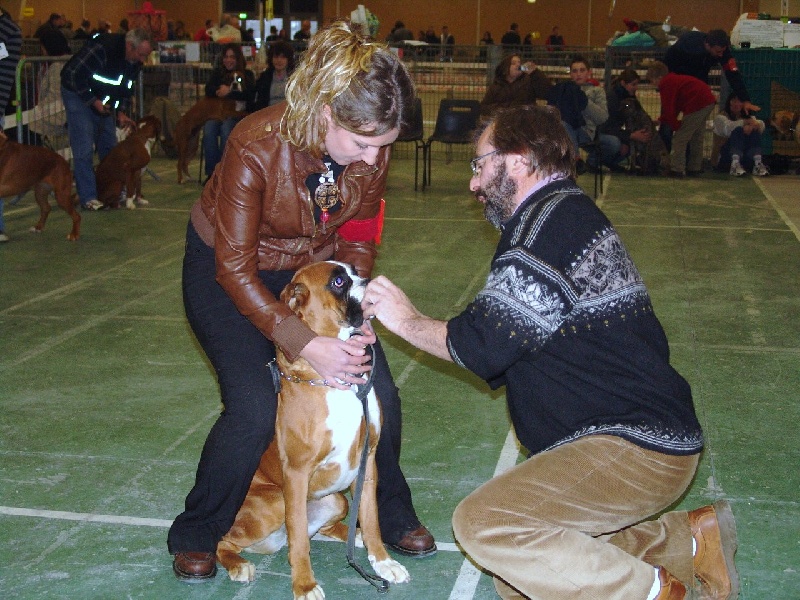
pixel 391 570
pixel 314 594
pixel 243 572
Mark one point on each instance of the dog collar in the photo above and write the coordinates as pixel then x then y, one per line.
pixel 277 375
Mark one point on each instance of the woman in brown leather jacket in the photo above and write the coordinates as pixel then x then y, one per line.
pixel 300 182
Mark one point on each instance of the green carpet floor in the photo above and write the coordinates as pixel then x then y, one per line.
pixel 106 399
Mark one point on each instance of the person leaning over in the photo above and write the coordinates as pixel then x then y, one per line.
pixel 694 101
pixel 566 324
pixel 300 181
pixel 695 53
pixel 96 86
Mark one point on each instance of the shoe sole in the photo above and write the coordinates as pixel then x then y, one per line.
pixel 729 541
pixel 189 578
pixel 413 554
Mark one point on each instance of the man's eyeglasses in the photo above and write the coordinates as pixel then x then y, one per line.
pixel 476 168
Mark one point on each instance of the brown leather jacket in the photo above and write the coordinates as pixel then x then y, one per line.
pixel 257 213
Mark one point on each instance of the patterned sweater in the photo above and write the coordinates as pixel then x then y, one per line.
pixel 566 324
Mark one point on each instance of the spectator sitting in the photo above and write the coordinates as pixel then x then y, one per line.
pixel 583 109
pixel 220 85
pixel 513 86
pixel 623 86
pixel 742 150
pixel 270 88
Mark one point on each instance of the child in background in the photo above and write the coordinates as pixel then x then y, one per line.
pixel 743 132
pixel 692 97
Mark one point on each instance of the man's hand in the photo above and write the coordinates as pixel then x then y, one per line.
pixel 750 107
pixel 391 306
pixel 125 122
pixel 388 303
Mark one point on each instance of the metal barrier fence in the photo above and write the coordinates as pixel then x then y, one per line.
pixel 461 72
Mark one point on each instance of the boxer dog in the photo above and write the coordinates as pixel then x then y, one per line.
pixel 24 167
pixel 319 435
pixel 649 158
pixel 187 129
pixel 784 125
pixel 121 169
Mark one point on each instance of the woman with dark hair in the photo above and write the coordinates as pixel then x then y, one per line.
pixel 301 181
pixel 514 83
pixel 623 87
pixel 270 87
pixel 231 80
pixel 742 150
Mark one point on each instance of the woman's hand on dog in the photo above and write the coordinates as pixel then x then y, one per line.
pixel 340 363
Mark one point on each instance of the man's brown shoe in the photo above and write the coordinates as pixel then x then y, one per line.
pixel 418 543
pixel 714 531
pixel 671 588
pixel 195 567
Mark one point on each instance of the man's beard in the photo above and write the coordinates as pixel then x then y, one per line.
pixel 498 197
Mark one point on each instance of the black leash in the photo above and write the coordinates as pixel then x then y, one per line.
pixel 362 391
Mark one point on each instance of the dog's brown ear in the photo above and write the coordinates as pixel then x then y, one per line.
pixel 295 295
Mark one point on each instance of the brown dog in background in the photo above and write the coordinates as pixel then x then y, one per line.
pixel 319 435
pixel 187 130
pixel 784 125
pixel 24 167
pixel 121 169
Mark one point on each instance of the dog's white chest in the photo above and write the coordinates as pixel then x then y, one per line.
pixel 345 413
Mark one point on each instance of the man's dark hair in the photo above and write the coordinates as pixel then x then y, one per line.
pixel 718 38
pixel 535 132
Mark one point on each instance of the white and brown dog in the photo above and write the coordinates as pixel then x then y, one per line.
pixel 319 434
pixel 121 169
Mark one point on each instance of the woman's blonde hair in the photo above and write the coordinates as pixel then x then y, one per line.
pixel 365 84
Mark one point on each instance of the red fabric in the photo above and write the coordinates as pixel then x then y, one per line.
pixel 682 94
pixel 364 230
pixel 730 65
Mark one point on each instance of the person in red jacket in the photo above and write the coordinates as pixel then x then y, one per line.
pixel 690 96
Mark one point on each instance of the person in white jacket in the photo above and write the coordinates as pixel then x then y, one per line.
pixel 742 150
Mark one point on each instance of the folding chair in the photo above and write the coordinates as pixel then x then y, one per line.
pixel 415 134
pixel 455 124
pixel 594 149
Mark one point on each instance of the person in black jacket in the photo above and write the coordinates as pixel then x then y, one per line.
pixel 96 86
pixel 565 323
pixel 231 80
pixel 696 53
pixel 270 88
